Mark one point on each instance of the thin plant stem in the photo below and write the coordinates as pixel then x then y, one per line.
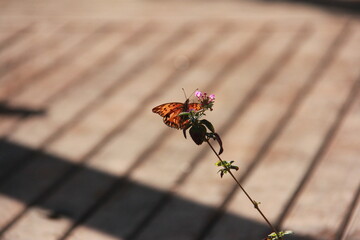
pixel 256 205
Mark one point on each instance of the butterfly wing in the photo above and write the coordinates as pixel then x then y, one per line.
pixel 194 106
pixel 167 108
pixel 187 108
pixel 170 113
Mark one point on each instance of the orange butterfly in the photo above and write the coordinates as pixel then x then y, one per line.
pixel 170 113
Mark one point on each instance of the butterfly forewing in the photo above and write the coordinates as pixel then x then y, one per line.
pixel 167 108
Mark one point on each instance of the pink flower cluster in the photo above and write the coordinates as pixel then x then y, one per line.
pixel 206 101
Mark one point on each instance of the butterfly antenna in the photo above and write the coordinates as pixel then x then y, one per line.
pixel 194 92
pixel 190 94
pixel 184 93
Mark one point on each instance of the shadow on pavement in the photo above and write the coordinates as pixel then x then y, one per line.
pixel 59 189
pixel 6 109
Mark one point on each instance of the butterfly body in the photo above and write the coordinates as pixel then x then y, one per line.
pixel 170 113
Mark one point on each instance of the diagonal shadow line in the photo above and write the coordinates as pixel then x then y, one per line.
pixel 14 37
pixel 59 209
pixel 12 64
pixel 64 58
pixel 328 57
pixel 318 156
pixel 346 223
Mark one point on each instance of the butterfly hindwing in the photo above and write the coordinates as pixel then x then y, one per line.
pixel 173 119
pixel 194 106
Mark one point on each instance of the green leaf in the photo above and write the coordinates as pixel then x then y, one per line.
pixel 236 168
pixel 273 236
pixel 185 129
pixel 184 114
pixel 208 125
pixel 222 172
pixel 218 139
pixel 226 167
pixel 218 163
pixel 197 133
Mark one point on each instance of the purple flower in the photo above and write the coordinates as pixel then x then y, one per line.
pixel 207 101
pixel 198 94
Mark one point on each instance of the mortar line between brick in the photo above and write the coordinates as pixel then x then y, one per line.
pixel 328 58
